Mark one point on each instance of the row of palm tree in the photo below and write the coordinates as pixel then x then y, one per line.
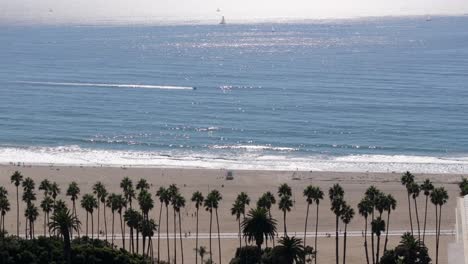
pixel 257 225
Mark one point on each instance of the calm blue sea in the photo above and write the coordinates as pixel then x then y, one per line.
pixel 372 94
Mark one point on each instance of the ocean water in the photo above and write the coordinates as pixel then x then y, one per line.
pixel 355 95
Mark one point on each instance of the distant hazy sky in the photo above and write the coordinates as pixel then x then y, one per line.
pixel 91 11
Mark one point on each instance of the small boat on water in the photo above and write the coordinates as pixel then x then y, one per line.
pixel 223 21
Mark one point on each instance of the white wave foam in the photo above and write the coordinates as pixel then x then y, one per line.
pixel 113 85
pixel 252 147
pixel 75 155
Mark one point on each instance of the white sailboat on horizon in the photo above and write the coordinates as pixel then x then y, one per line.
pixel 223 21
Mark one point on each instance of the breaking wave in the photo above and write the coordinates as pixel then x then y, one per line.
pixel 251 158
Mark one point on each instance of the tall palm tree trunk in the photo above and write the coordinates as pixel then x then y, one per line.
pixel 167 235
pixel 17 212
pixel 305 226
pixel 378 249
pixel 45 223
pixel 386 233
pixel 175 238
pixel 284 223
pixel 211 223
pixel 131 240
pixel 417 217
pixel 122 230
pixel 365 240
pixel 372 241
pixel 137 239
pixel 409 210
pixel 316 231
pixel 87 221
pixel 144 243
pixel 67 246
pixel 196 240
pixel 425 218
pixel 159 232
pixel 438 215
pixel 92 226
pixel 219 237
pixel 344 243
pixel 98 218
pixel 113 228
pixel 240 238
pixel 269 214
pixel 336 240
pixel 105 222
pixel 181 242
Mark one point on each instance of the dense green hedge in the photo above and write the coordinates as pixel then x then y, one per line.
pixel 50 250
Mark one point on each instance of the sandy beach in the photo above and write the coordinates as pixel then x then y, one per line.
pixel 254 183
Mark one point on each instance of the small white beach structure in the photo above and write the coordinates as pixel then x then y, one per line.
pixel 458 250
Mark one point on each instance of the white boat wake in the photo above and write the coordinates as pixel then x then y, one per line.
pixel 112 85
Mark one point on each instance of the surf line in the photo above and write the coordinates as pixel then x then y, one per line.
pixel 113 85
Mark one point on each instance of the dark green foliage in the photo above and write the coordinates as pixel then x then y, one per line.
pixel 247 255
pixel 409 251
pixel 50 250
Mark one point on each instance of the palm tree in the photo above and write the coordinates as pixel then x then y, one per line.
pixel 4 208
pixel 28 197
pixel 101 193
pixel 160 194
pixel 390 205
pixel 346 216
pixel 173 191
pixel 73 191
pixel 31 213
pixel 236 210
pixel 374 195
pixel 178 203
pixel 427 188
pixel 54 190
pixel 267 200
pixel 308 194
pixel 63 222
pixel 290 250
pixel 142 184
pixel 258 225
pixel 146 204
pixel 378 226
pixel 439 197
pixel 406 180
pixel 285 204
pixel 46 206
pixel 414 189
pixel 131 217
pixel 113 202
pixel 336 194
pixel 197 198
pixel 201 252
pixel 16 179
pixel 45 186
pixel 121 203
pixel 317 195
pixel 284 190
pixel 148 226
pixel 365 208
pixel 89 203
pixel 129 193
pixel 212 202
pixel 165 197
pixel 463 186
